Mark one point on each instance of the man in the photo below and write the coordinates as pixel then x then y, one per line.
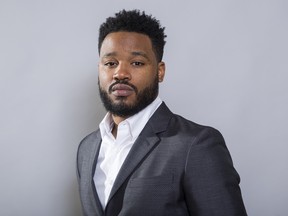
pixel 145 160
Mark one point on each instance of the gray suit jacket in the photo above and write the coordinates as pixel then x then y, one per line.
pixel 175 168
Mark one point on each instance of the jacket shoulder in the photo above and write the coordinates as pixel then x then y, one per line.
pixel 88 143
pixel 170 124
pixel 189 127
pixel 89 139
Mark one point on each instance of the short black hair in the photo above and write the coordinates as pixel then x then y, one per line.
pixel 135 21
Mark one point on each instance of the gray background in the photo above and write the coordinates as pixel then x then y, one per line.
pixel 227 64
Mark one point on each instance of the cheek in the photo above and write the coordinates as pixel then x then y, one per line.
pixel 104 79
pixel 146 80
pixel 104 73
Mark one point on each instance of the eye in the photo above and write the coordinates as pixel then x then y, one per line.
pixel 137 63
pixel 110 64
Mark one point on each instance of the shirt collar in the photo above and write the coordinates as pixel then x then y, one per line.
pixel 136 123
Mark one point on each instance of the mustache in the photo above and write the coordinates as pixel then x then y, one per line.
pixel 124 82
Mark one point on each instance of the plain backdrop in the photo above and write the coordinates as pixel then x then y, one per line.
pixel 227 65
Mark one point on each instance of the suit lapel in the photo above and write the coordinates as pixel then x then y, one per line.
pixel 140 148
pixel 94 157
pixel 145 143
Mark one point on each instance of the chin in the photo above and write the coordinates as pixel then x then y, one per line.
pixel 126 100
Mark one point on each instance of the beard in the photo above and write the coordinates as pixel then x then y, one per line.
pixel 120 108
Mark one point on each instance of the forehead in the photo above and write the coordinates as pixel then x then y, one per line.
pixel 126 42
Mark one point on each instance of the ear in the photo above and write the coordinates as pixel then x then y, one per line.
pixel 161 71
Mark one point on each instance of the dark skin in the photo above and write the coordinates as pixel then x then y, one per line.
pixel 127 56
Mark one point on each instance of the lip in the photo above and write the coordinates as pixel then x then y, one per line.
pixel 122 90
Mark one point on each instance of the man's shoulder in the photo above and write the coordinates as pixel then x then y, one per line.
pixel 181 125
pixel 191 128
pixel 89 141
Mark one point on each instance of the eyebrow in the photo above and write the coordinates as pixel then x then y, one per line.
pixel 110 54
pixel 134 53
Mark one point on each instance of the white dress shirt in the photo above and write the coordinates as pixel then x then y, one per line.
pixel 114 151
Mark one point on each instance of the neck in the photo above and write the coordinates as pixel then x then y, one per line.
pixel 114 130
pixel 117 120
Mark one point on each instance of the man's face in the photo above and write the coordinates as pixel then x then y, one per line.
pixel 128 73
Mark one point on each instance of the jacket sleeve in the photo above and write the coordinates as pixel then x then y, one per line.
pixel 77 165
pixel 211 184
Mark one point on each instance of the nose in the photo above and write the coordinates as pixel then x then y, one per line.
pixel 122 72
